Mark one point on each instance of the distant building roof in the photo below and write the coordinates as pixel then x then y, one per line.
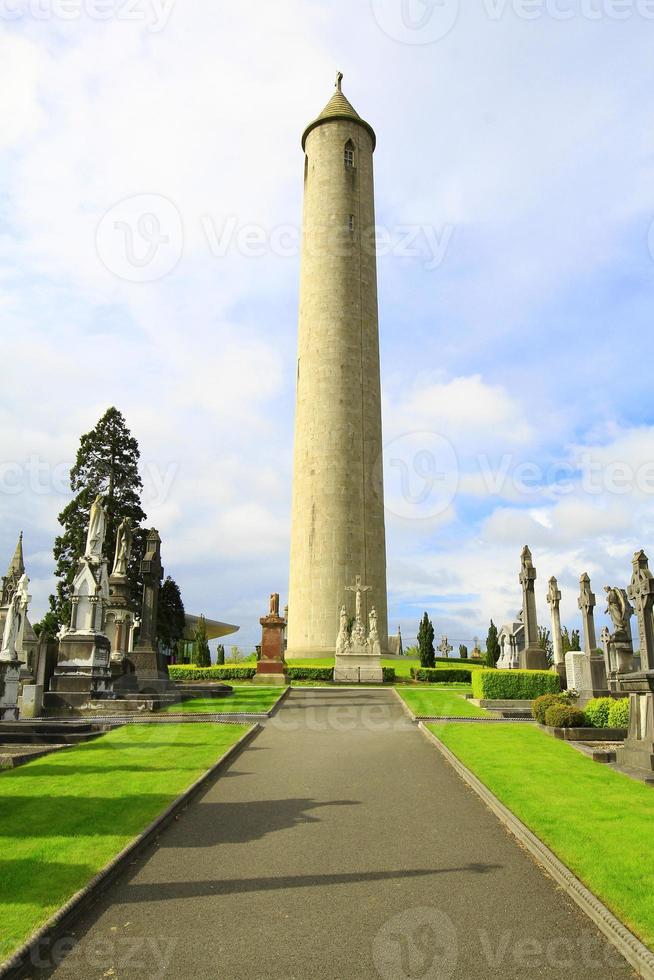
pixel 214 628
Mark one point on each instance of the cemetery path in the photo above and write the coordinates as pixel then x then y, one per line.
pixel 341 845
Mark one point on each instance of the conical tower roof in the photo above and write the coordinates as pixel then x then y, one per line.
pixel 17 563
pixel 338 107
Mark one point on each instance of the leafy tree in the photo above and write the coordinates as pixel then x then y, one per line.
pixel 202 654
pixel 426 642
pixel 171 618
pixel 545 643
pixel 48 626
pixel 571 641
pixel 463 651
pixel 492 646
pixel 220 654
pixel 107 464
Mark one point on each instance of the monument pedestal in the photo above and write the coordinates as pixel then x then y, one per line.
pixel 271 666
pixel 82 672
pixel 9 680
pixel 533 658
pixel 358 668
pixel 638 749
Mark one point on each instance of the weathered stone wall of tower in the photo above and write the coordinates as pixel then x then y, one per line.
pixel 338 507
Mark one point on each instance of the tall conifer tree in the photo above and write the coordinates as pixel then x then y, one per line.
pixel 107 464
pixel 426 643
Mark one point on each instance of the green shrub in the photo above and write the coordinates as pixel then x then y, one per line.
pixel 619 714
pixel 311 673
pixel 514 685
pixel 184 672
pixel 563 716
pixel 597 712
pixel 541 704
pixel 389 675
pixel 440 675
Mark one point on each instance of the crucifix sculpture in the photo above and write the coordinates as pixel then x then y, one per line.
pixel 358 589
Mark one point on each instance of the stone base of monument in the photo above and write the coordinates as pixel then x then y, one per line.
pixel 83 666
pixel 533 658
pixel 637 753
pixel 271 672
pixel 351 668
pixel 31 701
pixel 150 673
pixel 9 680
pixel 561 671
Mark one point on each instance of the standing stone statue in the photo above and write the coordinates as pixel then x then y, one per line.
pixel 271 665
pixel 124 539
pixel 554 601
pixel 12 637
pixel 343 638
pixel 619 646
pixel 532 657
pixel 97 530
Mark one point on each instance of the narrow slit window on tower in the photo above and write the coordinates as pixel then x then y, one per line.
pixel 350 222
pixel 349 155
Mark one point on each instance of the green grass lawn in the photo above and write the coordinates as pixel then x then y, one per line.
pixel 442 701
pixel 252 698
pixel 64 817
pixel 597 821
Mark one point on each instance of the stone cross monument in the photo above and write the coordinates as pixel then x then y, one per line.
pixel 337 527
pixel 146 660
pixel 445 648
pixel 638 750
pixel 594 682
pixel 532 657
pixel 554 600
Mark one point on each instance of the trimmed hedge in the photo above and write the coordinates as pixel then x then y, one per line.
pixel 389 675
pixel 563 716
pixel 438 675
pixel 619 714
pixel 311 673
pixel 597 712
pixel 187 672
pixel 541 705
pixel 514 685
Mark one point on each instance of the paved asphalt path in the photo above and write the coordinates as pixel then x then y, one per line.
pixel 338 845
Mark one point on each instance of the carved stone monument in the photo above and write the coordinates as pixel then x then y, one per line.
pixel 271 666
pixel 82 670
pixel 120 613
pixel 151 669
pixel 12 650
pixel 358 656
pixel 445 648
pixel 594 682
pixel 619 648
pixel 638 750
pixel 554 601
pixel 532 657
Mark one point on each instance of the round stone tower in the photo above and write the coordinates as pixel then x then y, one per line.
pixel 338 504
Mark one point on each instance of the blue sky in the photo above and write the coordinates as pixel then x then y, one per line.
pixel 516 150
